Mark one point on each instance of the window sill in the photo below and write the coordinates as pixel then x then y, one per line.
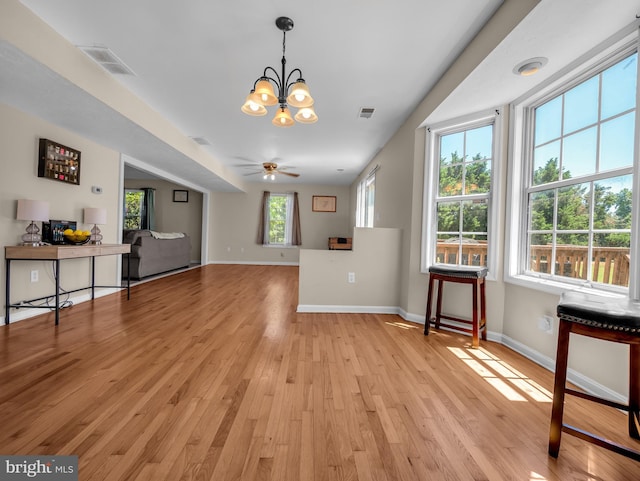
pixel 555 287
pixel 280 246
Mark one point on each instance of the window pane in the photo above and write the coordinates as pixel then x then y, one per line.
pixel 573 207
pixel 571 255
pixel 474 216
pixel 579 154
pixel 452 148
pixel 541 210
pixel 474 250
pixel 448 217
pixel 540 253
pixel 619 87
pixel 447 249
pixel 611 258
pixel 277 218
pixel 616 142
pixel 479 142
pixel 133 200
pixel 450 180
pixel 581 106
pixel 478 177
pixel 612 203
pixel 545 163
pixel 548 119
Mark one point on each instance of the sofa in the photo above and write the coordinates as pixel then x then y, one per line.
pixel 155 252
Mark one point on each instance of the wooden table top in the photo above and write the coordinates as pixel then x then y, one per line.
pixel 54 252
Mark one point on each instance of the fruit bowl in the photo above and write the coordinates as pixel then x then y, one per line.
pixel 77 237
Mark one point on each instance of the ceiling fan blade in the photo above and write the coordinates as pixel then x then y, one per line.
pixel 253 173
pixel 287 173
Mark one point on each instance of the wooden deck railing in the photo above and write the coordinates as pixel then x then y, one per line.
pixel 610 264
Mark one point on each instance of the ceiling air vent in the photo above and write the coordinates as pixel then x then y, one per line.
pixel 366 112
pixel 108 60
pixel 201 140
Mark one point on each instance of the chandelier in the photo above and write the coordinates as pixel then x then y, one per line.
pixel 290 93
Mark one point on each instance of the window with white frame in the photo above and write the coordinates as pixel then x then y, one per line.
pixel 365 201
pixel 575 204
pixel 460 165
pixel 280 219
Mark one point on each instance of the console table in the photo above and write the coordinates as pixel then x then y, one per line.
pixel 56 253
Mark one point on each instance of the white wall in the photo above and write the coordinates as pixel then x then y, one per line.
pixel 235 216
pixel 19 135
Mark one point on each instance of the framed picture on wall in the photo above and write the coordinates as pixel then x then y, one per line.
pixel 323 203
pixel 181 196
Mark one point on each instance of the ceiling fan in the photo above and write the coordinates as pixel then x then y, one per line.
pixel 269 169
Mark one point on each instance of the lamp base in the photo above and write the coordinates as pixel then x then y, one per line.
pixel 96 236
pixel 32 237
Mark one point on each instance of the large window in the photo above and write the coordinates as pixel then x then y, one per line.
pixel 575 204
pixel 459 166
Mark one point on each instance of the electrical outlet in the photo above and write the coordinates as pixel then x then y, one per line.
pixel 545 323
pixel 34 276
pixel 351 277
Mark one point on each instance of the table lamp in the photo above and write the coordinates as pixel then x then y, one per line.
pixel 95 216
pixel 32 210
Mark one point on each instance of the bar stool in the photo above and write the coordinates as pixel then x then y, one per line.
pixel 609 319
pixel 464 275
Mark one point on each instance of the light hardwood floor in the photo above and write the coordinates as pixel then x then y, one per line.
pixel 210 374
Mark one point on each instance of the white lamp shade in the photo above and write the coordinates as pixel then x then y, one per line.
pixel 95 215
pixel 33 210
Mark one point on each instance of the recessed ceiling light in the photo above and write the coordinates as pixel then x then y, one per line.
pixel 530 66
pixel 340 170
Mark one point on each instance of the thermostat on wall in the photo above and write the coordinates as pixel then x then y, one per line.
pixel 96 189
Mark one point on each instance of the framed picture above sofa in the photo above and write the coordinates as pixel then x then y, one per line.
pixel 181 196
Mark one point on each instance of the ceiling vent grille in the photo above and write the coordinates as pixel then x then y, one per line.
pixel 201 140
pixel 108 60
pixel 366 112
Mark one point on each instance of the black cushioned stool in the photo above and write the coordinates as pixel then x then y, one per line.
pixel 609 319
pixel 465 275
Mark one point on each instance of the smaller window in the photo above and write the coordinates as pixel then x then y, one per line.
pixel 365 201
pixel 460 164
pixel 133 207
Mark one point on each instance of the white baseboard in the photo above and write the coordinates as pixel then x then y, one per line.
pixel 28 312
pixel 348 309
pixel 256 263
pixel 574 377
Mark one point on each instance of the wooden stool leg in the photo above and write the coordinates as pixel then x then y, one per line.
pixel 439 303
pixel 475 326
pixel 559 387
pixel 483 310
pixel 427 319
pixel 634 391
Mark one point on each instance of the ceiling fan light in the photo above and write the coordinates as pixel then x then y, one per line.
pixel 251 107
pixel 264 92
pixel 283 118
pixel 300 96
pixel 306 116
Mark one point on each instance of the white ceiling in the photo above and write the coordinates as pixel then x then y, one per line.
pixel 196 61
